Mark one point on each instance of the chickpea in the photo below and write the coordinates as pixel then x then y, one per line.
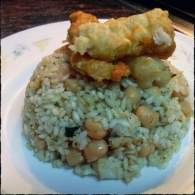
pixel 186 108
pixel 72 85
pixel 146 150
pixel 95 150
pixel 137 141
pixel 116 142
pixel 95 129
pixel 74 157
pixel 162 78
pixel 148 117
pixel 35 84
pixel 180 86
pixel 148 71
pixel 154 91
pixel 172 68
pixel 40 144
pixel 133 94
pixel 62 71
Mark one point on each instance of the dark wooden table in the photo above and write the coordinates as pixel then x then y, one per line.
pixel 17 15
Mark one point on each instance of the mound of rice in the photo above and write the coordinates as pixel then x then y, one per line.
pixel 52 112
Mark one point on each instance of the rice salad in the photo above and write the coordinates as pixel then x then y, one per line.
pixel 98 129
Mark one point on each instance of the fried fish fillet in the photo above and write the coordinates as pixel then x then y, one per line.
pixel 77 18
pixel 150 33
pixel 97 69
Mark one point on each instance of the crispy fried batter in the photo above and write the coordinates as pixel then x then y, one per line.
pixel 77 18
pixel 149 33
pixel 97 69
pixel 96 49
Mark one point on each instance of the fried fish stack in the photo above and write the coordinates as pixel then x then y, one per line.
pixel 101 50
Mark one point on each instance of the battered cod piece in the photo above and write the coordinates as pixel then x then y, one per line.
pixel 150 33
pixel 97 69
pixel 77 18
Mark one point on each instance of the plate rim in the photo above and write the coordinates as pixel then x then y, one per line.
pixel 66 21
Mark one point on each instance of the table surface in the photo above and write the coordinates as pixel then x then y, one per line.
pixel 18 15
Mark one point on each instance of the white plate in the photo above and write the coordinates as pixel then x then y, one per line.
pixel 23 173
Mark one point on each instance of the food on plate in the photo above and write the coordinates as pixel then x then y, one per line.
pixel 109 130
pixel 149 71
pixel 150 33
pixel 99 70
pixel 97 49
pixel 94 129
pixel 147 116
pixel 77 18
pixel 103 118
pixel 180 86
